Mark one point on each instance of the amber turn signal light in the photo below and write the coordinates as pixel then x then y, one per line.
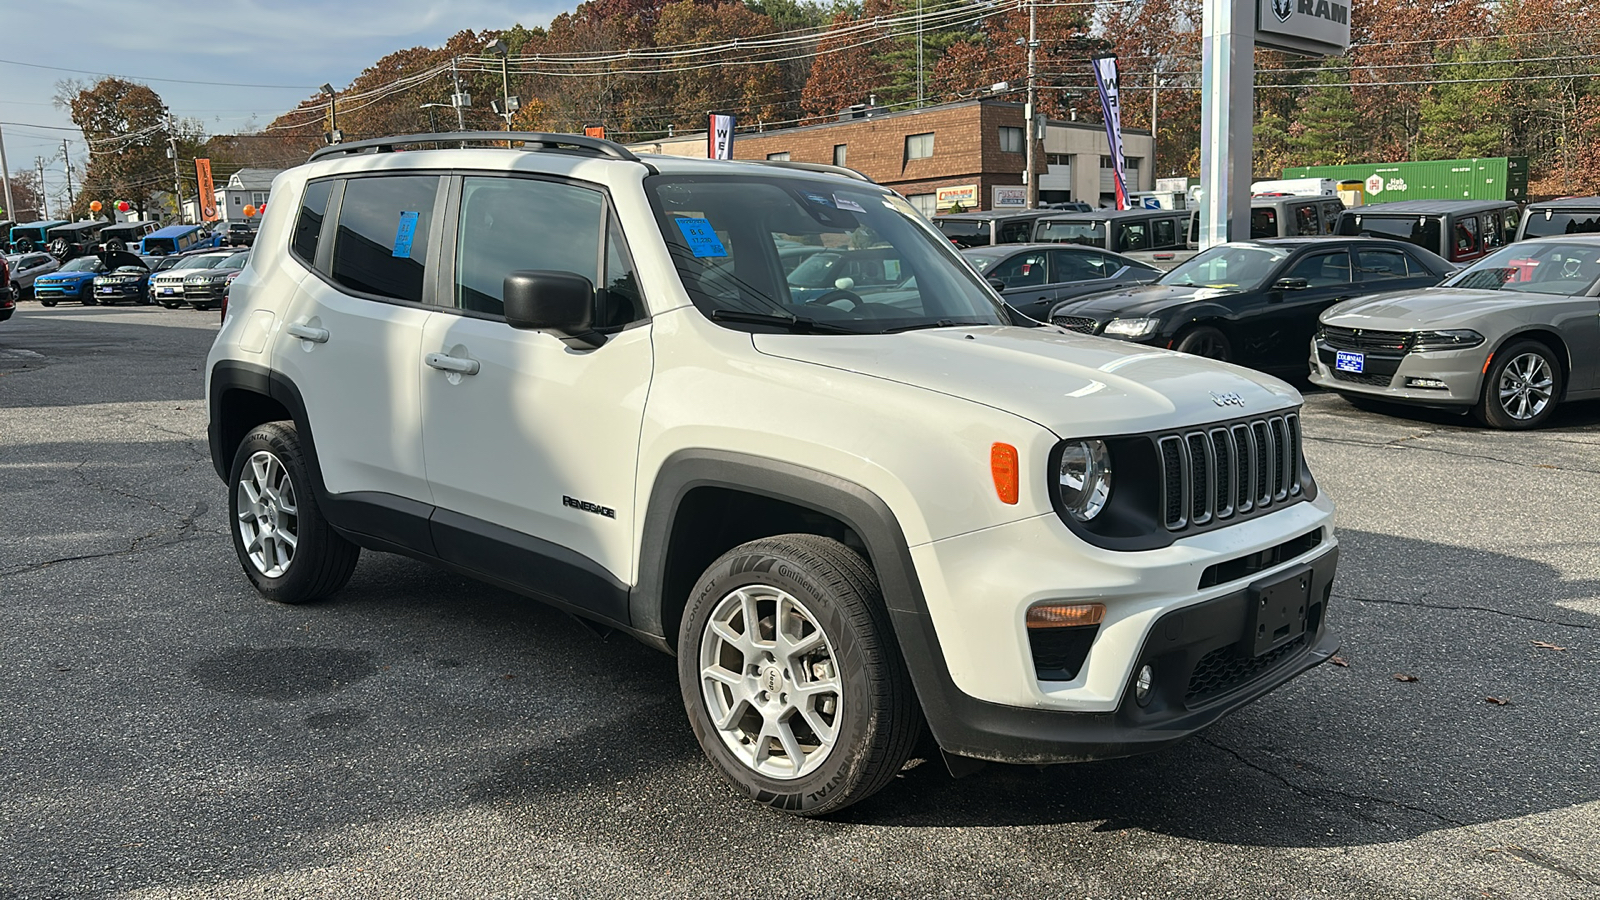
pixel 1003 466
pixel 1065 615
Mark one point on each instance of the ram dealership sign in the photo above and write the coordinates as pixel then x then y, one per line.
pixel 1310 27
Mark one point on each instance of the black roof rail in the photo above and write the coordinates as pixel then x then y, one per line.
pixel 535 140
pixel 810 167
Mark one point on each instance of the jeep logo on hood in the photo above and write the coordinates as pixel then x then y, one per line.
pixel 1228 399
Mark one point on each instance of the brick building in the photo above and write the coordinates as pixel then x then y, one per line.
pixel 969 153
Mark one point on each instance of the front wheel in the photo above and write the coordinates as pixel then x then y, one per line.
pixel 1521 388
pixel 289 551
pixel 86 296
pixel 791 678
pixel 1206 341
pixel 50 302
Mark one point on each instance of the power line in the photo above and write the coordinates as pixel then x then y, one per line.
pixel 287 87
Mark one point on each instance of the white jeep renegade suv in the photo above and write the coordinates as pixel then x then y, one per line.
pixel 593 378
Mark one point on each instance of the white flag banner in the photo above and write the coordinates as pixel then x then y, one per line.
pixel 719 137
pixel 1105 75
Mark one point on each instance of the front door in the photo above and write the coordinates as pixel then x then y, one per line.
pixel 1289 318
pixel 532 444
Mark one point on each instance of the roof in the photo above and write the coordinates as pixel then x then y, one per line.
pixel 173 231
pixel 992 214
pixel 1430 206
pixel 42 223
pixel 1112 214
pixel 248 179
pixel 1567 203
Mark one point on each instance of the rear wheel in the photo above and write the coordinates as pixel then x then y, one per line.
pixel 1522 387
pixel 1204 340
pixel 791 678
pixel 288 550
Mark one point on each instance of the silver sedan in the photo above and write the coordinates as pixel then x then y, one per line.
pixel 1507 338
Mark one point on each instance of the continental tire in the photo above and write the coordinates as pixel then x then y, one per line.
pixel 1205 341
pixel 1521 388
pixel 791 677
pixel 288 550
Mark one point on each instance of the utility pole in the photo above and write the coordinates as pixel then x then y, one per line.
pixel 919 54
pixel 1155 87
pixel 172 154
pixel 66 161
pixel 5 175
pixel 455 100
pixel 1030 135
pixel 44 200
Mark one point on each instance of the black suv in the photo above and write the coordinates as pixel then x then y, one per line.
pixel 239 234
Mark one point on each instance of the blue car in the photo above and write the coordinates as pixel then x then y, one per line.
pixel 73 281
pixel 129 279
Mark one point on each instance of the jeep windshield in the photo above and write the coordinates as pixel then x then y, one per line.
pixel 964 232
pixel 878 266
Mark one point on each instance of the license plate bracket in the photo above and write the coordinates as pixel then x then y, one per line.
pixel 1277 613
pixel 1350 361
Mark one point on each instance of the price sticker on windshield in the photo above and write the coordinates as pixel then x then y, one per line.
pixel 702 240
pixel 1346 361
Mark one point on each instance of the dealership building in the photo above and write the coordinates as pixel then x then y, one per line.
pixel 967 155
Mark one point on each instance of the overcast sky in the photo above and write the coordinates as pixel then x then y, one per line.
pixel 295 45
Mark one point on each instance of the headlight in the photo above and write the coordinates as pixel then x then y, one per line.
pixel 1132 329
pixel 1458 339
pixel 1085 478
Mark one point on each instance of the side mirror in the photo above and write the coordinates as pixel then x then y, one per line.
pixel 997 284
pixel 558 302
pixel 1292 284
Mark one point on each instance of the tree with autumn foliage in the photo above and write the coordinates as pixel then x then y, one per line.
pixel 125 125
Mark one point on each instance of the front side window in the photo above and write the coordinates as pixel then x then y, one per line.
pixel 518 224
pixel 878 266
pixel 1543 268
pixel 1323 269
pixel 1466 235
pixel 385 225
pixel 1305 220
pixel 1022 270
pixel 308 224
pixel 1132 236
pixel 919 146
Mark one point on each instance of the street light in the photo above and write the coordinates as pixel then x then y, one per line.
pixel 333 136
pixel 433 124
pixel 505 107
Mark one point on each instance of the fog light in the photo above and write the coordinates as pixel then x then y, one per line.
pixel 1065 615
pixel 1429 383
pixel 1142 684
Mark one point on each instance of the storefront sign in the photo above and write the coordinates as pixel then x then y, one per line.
pixel 1009 197
pixel 1308 27
pixel 965 195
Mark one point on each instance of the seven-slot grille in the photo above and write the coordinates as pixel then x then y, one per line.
pixel 1081 324
pixel 1231 469
pixel 1367 339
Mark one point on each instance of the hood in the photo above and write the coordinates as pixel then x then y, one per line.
pixel 1434 307
pixel 54 277
pixel 1075 385
pixel 1140 300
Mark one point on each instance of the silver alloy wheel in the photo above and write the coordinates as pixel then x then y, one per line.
pixel 269 516
pixel 1526 386
pixel 770 681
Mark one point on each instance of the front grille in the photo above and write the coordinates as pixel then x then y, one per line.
pixel 1354 378
pixel 1366 339
pixel 1226 668
pixel 1080 324
pixel 1231 469
pixel 202 291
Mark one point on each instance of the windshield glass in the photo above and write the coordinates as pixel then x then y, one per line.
pixel 198 262
pixel 84 264
pixel 878 267
pixel 964 232
pixel 1549 223
pixel 1239 267
pixel 1424 231
pixel 1091 233
pixel 1553 267
pixel 235 261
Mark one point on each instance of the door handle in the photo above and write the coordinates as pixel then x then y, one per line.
pixel 307 333
pixel 451 364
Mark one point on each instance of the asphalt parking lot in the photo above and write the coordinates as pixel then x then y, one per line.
pixel 166 733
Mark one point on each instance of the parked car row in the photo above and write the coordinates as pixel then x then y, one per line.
pixel 198 278
pixel 69 240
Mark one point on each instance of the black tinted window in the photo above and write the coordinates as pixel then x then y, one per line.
pixel 1376 265
pixel 1323 269
pixel 517 224
pixel 383 237
pixel 1166 233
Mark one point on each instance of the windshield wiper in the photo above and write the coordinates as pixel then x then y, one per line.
pixel 942 323
pixel 797 324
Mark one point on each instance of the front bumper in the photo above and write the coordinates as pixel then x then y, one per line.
pixel 54 290
pixel 116 292
pixel 169 291
pixel 1390 375
pixel 203 292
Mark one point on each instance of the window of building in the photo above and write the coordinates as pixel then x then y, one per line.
pixel 1011 139
pixel 384 234
pixel 1058 159
pixel 509 224
pixel 919 146
pixel 257 198
pixel 839 154
pixel 1130 163
pixel 923 203
pixel 1105 163
pixel 779 157
pixel 308 224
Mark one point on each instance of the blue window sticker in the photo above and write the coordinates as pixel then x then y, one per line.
pixel 405 234
pixel 703 241
pixel 819 199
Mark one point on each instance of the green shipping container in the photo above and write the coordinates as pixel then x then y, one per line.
pixel 1496 178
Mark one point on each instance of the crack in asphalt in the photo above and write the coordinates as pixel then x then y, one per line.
pixel 1408 443
pixel 1553 865
pixel 130 550
pixel 1326 794
pixel 1485 609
